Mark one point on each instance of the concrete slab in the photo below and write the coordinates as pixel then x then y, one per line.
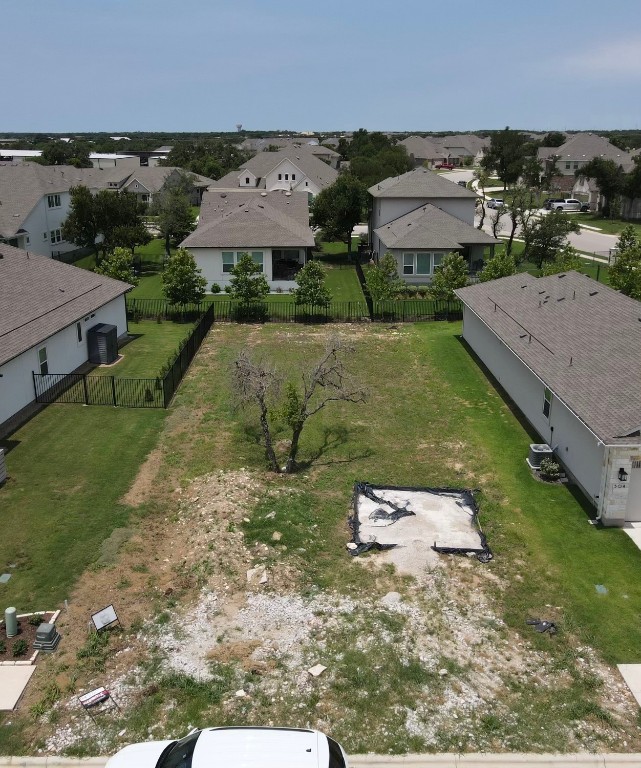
pixel 634 532
pixel 631 673
pixel 13 681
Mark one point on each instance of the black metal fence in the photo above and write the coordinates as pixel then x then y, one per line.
pixel 413 310
pixel 119 390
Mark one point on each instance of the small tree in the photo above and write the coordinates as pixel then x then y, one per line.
pixel 495 219
pixel 451 274
pixel 182 281
pixel 625 273
pixel 248 283
pixel 521 209
pixel 311 286
pixel 338 208
pixel 565 259
pixel 328 380
pixel 545 236
pixel 119 265
pixel 382 279
pixel 502 264
pixel 482 176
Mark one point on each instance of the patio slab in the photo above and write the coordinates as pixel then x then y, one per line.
pixel 13 681
pixel 631 673
pixel 634 532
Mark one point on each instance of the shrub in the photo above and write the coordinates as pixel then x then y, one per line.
pixel 19 648
pixel 250 313
pixel 215 288
pixel 36 620
pixel 550 470
pixel 3 646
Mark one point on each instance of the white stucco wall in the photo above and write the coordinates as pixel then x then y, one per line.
pixel 41 221
pixel 577 448
pixel 210 263
pixel 284 168
pixel 64 354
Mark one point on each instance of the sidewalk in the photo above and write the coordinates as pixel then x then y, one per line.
pixel 516 760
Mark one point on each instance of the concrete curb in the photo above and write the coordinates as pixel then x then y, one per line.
pixel 516 760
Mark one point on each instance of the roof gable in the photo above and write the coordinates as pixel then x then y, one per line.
pixel 419 183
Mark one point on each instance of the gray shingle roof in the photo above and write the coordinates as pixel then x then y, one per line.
pixel 430 227
pixel 264 162
pixel 581 338
pixel 248 218
pixel 40 296
pixel 421 147
pixel 584 147
pixel 22 185
pixel 419 183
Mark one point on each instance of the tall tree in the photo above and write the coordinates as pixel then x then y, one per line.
pixel 482 177
pixel 74 153
pixel 176 218
pixel 553 139
pixel 337 209
pixel 311 286
pixel 209 157
pixel 182 281
pixel 522 207
pixel 119 265
pixel 610 179
pixel 81 226
pixel 506 155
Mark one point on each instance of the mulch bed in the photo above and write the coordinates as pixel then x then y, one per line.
pixel 27 632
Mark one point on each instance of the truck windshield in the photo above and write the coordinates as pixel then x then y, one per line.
pixel 179 754
pixel 336 759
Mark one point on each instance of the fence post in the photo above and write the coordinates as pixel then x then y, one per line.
pixel 84 386
pixel 113 389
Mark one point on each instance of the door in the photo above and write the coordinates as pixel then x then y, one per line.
pixel 633 508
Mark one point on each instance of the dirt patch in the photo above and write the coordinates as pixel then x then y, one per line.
pixel 142 486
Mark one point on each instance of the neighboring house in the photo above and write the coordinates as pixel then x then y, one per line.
pixel 567 351
pixel 457 150
pixel 324 153
pixel 424 151
pixel 465 148
pixel 34 202
pixel 295 169
pixel 147 182
pixel 273 227
pixel 579 150
pixel 419 217
pixel 47 309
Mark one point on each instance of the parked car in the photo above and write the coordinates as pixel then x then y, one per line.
pixel 495 202
pixel 462 184
pixel 568 204
pixel 446 166
pixel 550 201
pixel 255 746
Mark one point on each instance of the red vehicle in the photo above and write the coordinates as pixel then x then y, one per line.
pixel 446 166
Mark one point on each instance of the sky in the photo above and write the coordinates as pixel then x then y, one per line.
pixel 336 65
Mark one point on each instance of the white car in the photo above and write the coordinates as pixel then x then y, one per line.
pixel 495 202
pixel 250 747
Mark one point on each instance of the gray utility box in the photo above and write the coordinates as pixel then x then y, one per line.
pixel 102 340
pixel 47 638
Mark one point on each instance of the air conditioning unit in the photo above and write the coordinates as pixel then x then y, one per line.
pixel 538 452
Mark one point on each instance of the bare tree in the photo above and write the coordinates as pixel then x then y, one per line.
pixel 482 177
pixel 328 380
pixel 495 219
pixel 522 207
pixel 256 382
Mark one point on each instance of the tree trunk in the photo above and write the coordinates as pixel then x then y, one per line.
pixel 290 465
pixel 269 447
pixel 510 240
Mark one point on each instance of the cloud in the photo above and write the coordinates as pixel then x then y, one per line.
pixel 620 58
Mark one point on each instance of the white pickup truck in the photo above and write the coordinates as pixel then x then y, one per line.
pixel 568 204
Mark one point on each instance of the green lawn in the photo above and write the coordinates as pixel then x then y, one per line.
pixel 68 467
pixel 607 226
pixel 153 344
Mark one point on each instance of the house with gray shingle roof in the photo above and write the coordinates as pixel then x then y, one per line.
pixel 579 150
pixel 295 169
pixel 273 227
pixel 567 350
pixel 46 309
pixel 421 216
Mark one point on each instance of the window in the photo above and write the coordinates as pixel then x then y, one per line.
pixel 576 165
pixel 228 261
pixel 246 179
pixel 408 263
pixel 53 201
pixel 293 177
pixel 79 332
pixel 42 361
pixel 437 258
pixel 257 258
pixel 567 166
pixel 55 236
pixel 547 402
pixel 286 177
pixel 27 239
pixel 45 236
pixel 280 177
pixel 307 184
pixel 290 255
pixel 423 263
pixel 144 198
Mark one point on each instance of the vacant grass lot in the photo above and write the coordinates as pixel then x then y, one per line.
pixel 607 226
